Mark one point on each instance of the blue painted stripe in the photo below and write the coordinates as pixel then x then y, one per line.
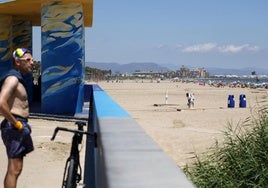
pixel 106 106
pixel 96 87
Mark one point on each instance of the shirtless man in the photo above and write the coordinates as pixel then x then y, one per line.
pixel 14 107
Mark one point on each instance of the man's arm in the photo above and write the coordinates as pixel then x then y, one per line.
pixel 8 89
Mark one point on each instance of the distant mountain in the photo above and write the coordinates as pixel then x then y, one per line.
pixel 128 68
pixel 117 68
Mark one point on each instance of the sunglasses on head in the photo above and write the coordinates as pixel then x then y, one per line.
pixel 26 59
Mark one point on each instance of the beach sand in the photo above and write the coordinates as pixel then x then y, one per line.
pixel 179 131
pixel 183 132
pixel 44 166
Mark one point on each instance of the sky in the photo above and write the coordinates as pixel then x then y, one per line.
pixel 193 33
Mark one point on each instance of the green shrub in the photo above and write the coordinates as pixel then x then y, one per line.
pixel 240 161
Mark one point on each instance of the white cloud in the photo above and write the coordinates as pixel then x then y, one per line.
pixel 253 48
pixel 208 47
pixel 179 46
pixel 161 46
pixel 200 48
pixel 236 49
pixel 230 48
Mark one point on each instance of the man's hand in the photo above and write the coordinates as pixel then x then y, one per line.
pixel 18 125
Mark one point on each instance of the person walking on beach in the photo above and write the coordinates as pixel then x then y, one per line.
pixel 190 100
pixel 15 131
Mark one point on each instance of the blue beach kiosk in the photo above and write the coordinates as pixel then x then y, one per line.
pixel 62 44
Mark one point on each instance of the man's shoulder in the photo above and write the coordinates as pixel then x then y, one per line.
pixel 15 73
pixel 11 74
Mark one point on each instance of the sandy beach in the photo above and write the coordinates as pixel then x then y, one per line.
pixel 160 109
pixel 180 131
pixel 44 166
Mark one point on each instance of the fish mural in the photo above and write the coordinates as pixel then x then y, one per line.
pixel 62 57
pixel 5 44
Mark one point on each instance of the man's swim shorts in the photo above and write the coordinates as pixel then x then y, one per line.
pixel 18 142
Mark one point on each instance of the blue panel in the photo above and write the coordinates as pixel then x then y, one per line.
pixel 5 44
pixel 22 37
pixel 107 107
pixel 96 87
pixel 62 58
pixel 22 34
